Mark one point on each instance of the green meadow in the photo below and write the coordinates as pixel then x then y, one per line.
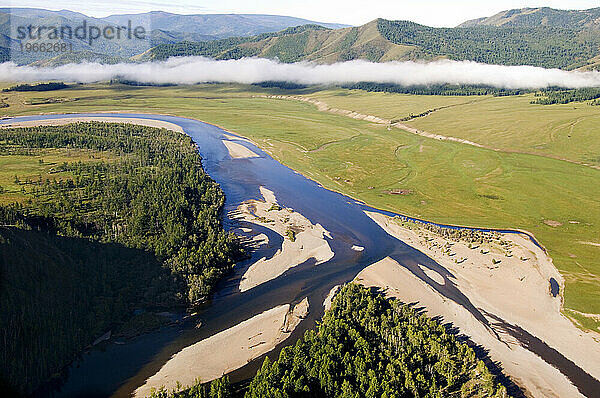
pixel 511 123
pixel 523 185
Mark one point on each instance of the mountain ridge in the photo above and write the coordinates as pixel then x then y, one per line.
pixel 544 37
pixel 382 40
pixel 539 16
pixel 160 27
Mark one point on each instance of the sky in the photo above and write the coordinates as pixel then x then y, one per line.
pixel 353 12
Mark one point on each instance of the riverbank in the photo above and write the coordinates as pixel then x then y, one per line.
pixel 228 350
pixel 507 277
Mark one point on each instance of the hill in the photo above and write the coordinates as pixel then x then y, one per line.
pixel 304 43
pixel 532 36
pixel 542 16
pixel 216 25
pixel 78 57
pixel 382 40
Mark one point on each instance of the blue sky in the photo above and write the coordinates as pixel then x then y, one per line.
pixel 355 12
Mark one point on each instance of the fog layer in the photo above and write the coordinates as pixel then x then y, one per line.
pixel 189 70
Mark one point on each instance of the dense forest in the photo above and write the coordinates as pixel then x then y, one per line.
pixel 153 203
pixel 367 346
pixel 59 294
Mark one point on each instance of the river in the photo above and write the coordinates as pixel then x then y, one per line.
pixel 118 369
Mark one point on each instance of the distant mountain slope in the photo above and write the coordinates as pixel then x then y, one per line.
pixel 162 27
pixel 218 25
pixel 382 40
pixel 543 16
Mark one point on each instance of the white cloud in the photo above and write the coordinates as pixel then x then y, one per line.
pixel 189 70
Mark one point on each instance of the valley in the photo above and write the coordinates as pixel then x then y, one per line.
pixel 484 184
pixel 234 203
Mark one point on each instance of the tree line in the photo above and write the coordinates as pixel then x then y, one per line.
pixel 435 89
pixel 50 86
pixel 561 96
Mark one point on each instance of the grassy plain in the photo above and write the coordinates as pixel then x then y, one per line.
pixel 568 131
pixel 389 105
pixel 449 182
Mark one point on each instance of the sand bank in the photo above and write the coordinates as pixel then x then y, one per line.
pixel 508 278
pixel 228 350
pixel 303 240
pixel 106 119
pixel 238 151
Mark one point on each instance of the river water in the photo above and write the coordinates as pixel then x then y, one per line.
pixel 118 369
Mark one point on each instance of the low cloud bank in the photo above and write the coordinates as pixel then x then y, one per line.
pixel 189 70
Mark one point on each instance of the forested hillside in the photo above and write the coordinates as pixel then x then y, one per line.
pixel 140 227
pixel 383 40
pixel 542 16
pixel 545 46
pixel 367 346
pixel 160 27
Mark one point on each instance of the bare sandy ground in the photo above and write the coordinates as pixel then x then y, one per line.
pixel 107 119
pixel 238 151
pixel 308 239
pixel 228 350
pixel 589 243
pixel 330 296
pixel 235 138
pixel 516 289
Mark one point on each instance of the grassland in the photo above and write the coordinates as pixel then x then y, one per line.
pixel 513 124
pixel 522 186
pixel 389 105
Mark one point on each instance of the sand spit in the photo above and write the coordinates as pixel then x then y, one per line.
pixel 238 151
pixel 330 296
pixel 106 119
pixel 508 279
pixel 228 350
pixel 323 107
pixel 303 240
